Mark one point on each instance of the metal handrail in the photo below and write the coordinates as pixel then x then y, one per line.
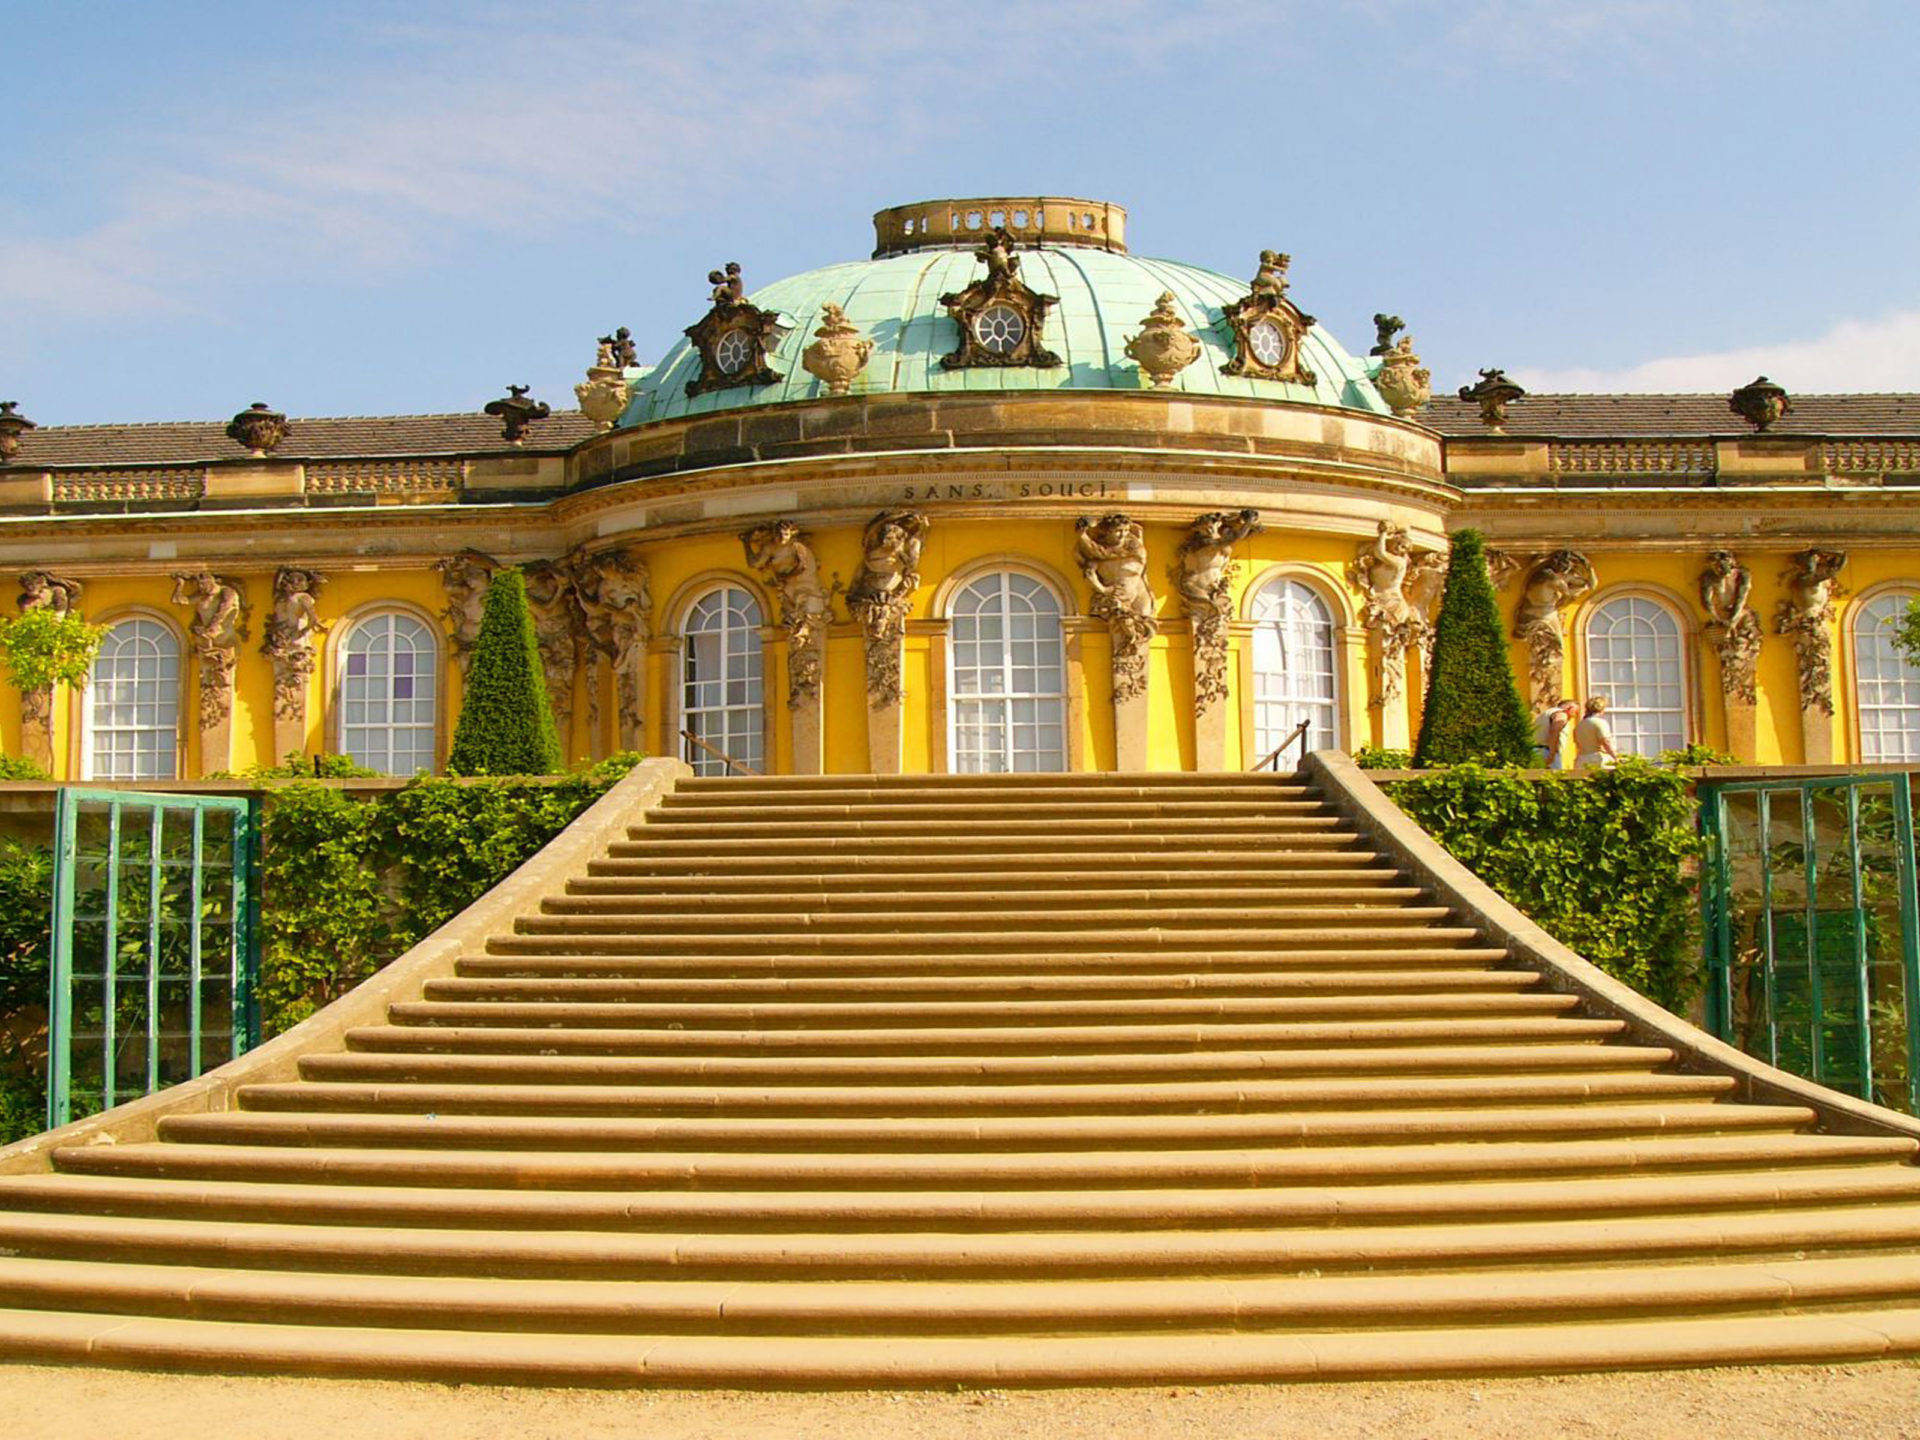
pixel 720 755
pixel 1298 737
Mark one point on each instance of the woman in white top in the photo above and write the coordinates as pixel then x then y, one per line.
pixel 1550 732
pixel 1593 737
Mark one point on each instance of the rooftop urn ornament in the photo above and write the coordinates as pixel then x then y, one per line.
pixel 734 338
pixel 1268 328
pixel 1000 317
pixel 619 346
pixel 258 430
pixel 1385 327
pixel 1163 348
pixel 1761 404
pixel 1493 394
pixel 603 395
pixel 1403 382
pixel 517 412
pixel 12 426
pixel 839 351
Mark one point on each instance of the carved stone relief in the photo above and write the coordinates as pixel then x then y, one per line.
pixel 611 586
pixel 780 553
pixel 1732 628
pixel 42 590
pixel 1112 552
pixel 1203 574
pixel 560 631
pixel 1424 587
pixel 1268 327
pixel 289 637
pixel 1812 581
pixel 1502 567
pixel 215 632
pixel 1555 582
pixel 1380 573
pixel 466 577
pixel 882 590
pixel 1001 319
pixel 839 351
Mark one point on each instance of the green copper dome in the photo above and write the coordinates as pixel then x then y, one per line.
pixel 1105 294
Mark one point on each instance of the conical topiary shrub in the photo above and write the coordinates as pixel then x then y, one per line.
pixel 1473 710
pixel 506 723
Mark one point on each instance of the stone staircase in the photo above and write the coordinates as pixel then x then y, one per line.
pixel 980 1081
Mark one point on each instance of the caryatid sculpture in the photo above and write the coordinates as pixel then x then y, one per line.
pixel 1812 581
pixel 558 629
pixel 1726 587
pixel 780 553
pixel 466 577
pixel 1555 582
pixel 612 589
pixel 42 590
pixel 215 633
pixel 1380 572
pixel 289 637
pixel 881 592
pixel 1112 552
pixel 1424 587
pixel 1203 574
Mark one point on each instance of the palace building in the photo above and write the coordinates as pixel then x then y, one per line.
pixel 1002 496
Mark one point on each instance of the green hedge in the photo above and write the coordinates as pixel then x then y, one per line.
pixel 1473 710
pixel 506 720
pixel 1606 863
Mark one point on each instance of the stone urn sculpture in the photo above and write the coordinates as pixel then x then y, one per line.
pixel 603 395
pixel 258 429
pixel 1403 382
pixel 1163 348
pixel 839 351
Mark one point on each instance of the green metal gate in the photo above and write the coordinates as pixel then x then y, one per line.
pixel 153 944
pixel 1812 935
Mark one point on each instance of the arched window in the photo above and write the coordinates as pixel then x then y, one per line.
pixel 1293 666
pixel 722 700
pixel 389 693
pixel 1888 683
pixel 1634 663
pixel 1007 679
pixel 132 729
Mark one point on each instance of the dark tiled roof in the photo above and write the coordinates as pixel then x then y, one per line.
pixel 314 439
pixel 1604 416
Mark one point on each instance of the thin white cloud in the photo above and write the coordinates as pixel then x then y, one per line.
pixel 1854 355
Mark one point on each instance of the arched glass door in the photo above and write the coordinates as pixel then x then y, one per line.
pixel 721 699
pixel 1293 672
pixel 1008 678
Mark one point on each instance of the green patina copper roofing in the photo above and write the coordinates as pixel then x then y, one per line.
pixel 895 300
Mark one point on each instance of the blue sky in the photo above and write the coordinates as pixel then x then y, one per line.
pixel 360 207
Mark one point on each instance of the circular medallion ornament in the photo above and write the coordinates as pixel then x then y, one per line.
pixel 732 352
pixel 1267 342
pixel 999 329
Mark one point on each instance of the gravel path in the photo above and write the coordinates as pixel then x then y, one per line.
pixel 1853 1402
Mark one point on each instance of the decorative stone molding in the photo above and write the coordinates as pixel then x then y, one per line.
pixel 1203 571
pixel 1403 382
pixel 734 338
pixel 612 588
pixel 12 426
pixel 1164 347
pixel 97 487
pixel 1556 581
pixel 604 394
pixel 1732 628
pixel 1631 457
pixel 258 430
pixel 1379 572
pixel 780 553
pixel 465 577
pixel 215 631
pixel 516 412
pixel 289 637
pixel 43 590
pixel 1502 567
pixel 1761 404
pixel 1493 394
pixel 1001 320
pixel 1812 581
pixel 1112 552
pixel 1268 327
pixel 559 629
pixel 881 592
pixel 839 351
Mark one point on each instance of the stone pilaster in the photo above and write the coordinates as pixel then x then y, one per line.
pixel 806 692
pixel 36 726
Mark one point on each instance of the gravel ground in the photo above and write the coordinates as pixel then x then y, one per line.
pixel 1851 1402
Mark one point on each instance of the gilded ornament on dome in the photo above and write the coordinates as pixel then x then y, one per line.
pixel 1001 318
pixel 1164 347
pixel 1268 328
pixel 734 338
pixel 839 351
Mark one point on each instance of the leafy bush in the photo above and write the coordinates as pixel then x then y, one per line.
pixel 26 915
pixel 506 723
pixel 18 767
pixel 1473 708
pixel 45 646
pixel 1381 757
pixel 1603 864
pixel 304 767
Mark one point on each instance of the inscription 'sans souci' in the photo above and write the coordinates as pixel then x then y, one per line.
pixel 1025 490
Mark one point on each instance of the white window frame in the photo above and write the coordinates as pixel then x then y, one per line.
pixel 169 685
pixel 1274 716
pixel 742 730
pixel 1638 729
pixel 966 709
pixel 1880 670
pixel 425 734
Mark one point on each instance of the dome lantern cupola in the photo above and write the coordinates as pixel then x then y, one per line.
pixel 1029 220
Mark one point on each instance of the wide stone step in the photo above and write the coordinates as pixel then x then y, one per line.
pixel 526 1357
pixel 1046 839
pixel 1029 869
pixel 134 1231
pixel 554 935
pixel 582 1091
pixel 950 1306
pixel 1048 784
pixel 830 814
pixel 504 970
pixel 496 1153
pixel 970 792
pixel 376 1188
pixel 637 898
pixel 801 888
pixel 489 1054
